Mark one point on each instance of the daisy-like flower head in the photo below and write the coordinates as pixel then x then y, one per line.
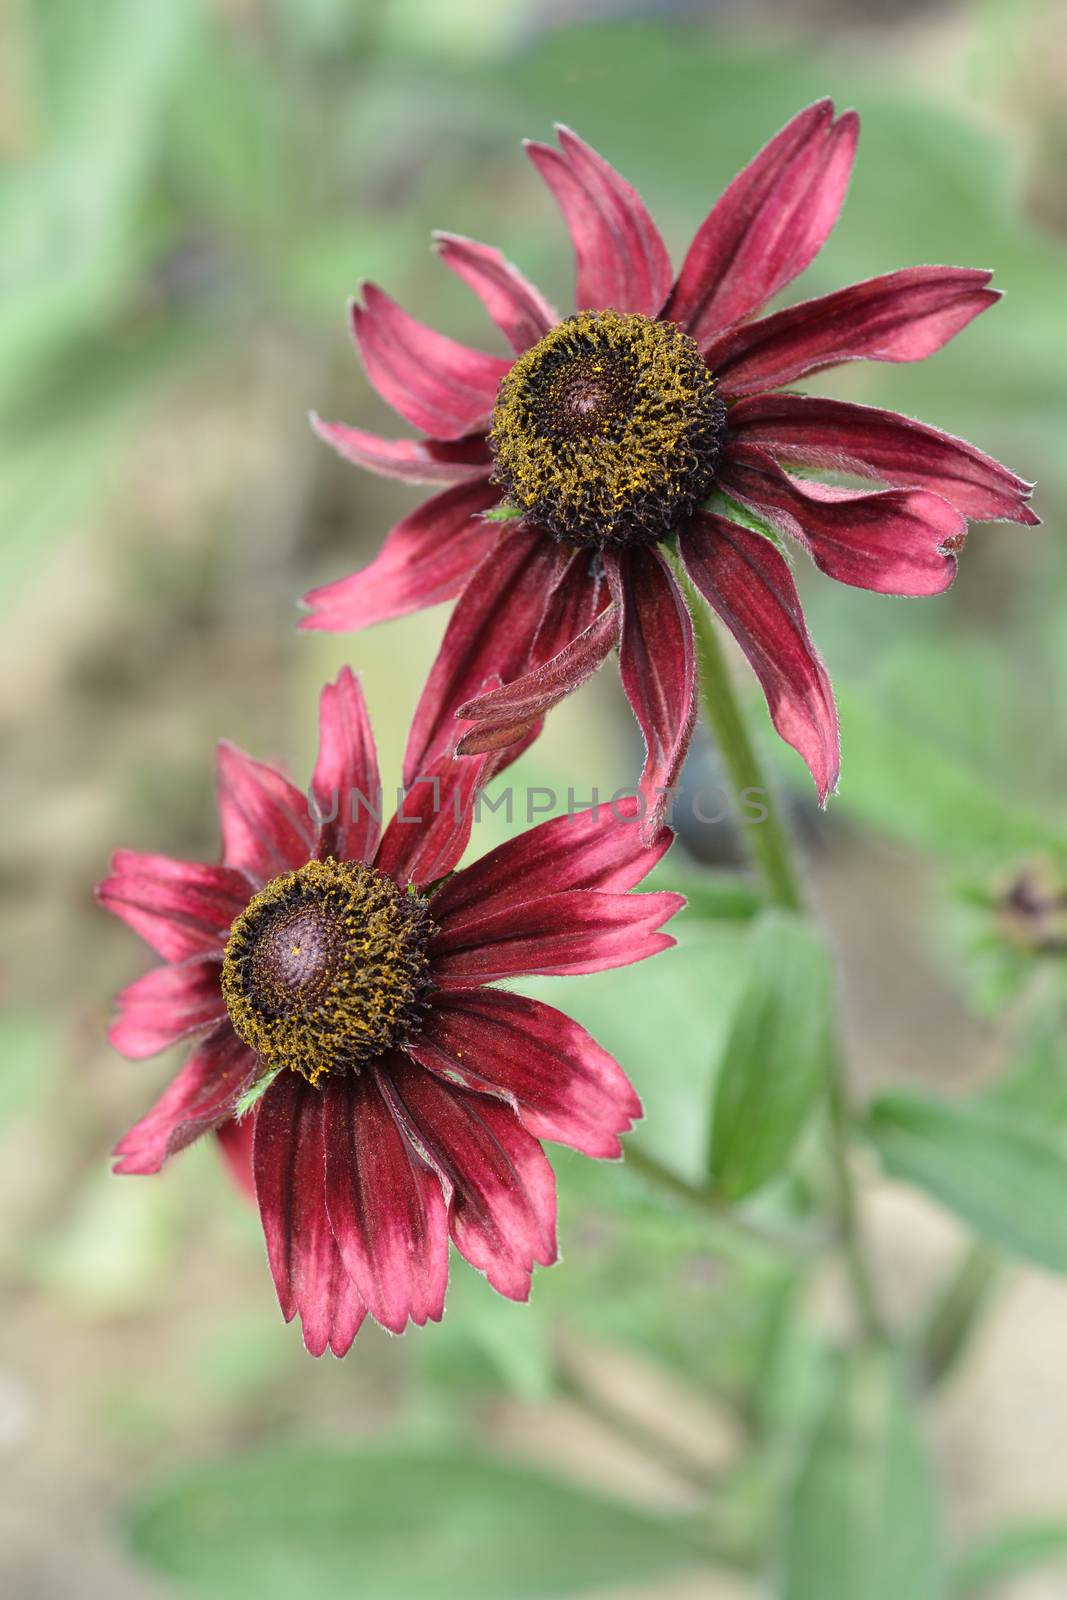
pixel 349 971
pixel 569 464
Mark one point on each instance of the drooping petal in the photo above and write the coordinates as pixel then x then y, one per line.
pixel 182 908
pixel 345 785
pixel 235 1137
pixel 577 594
pixel 839 436
pixel 554 934
pixel 519 310
pixel 289 1163
pixel 503 1210
pixel 657 663
pixel 432 827
pixel 599 848
pixel 441 387
pixel 266 823
pixel 414 460
pixel 749 584
pixel 427 557
pixel 769 224
pixel 386 1206
pixel 562 1084
pixel 489 635
pixel 201 1096
pixel 166 1005
pixel 900 316
pixel 500 716
pixel 622 262
pixel 894 541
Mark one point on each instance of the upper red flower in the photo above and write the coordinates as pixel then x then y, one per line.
pixel 609 431
pixel 408 1098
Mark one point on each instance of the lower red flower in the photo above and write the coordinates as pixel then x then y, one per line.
pixel 349 973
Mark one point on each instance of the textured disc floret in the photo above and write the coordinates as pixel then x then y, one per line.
pixel 608 432
pixel 327 968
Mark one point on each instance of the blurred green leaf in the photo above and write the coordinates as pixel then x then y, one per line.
pixel 863 1523
pixel 1003 1555
pixel 396 1526
pixel 1002 1174
pixel 776 1055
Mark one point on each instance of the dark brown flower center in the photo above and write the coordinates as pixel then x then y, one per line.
pixel 326 968
pixel 608 432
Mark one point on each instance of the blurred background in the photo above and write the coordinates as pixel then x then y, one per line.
pixel 190 191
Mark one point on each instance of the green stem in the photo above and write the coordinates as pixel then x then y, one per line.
pixel 951 1319
pixel 769 845
pixel 733 1234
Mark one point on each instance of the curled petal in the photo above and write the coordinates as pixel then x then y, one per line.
pixel 345 785
pixel 894 541
pixel 432 828
pixel 621 260
pixel 561 1083
pixel 770 223
pixel 182 908
pixel 520 311
pixel 555 934
pixel 657 663
pixel 385 1204
pixel 414 460
pixel 747 581
pixel 427 557
pixel 503 1211
pixel 166 1005
pixel 201 1096
pixel 901 316
pixel 839 436
pixel 600 848
pixel 502 715
pixel 489 635
pixel 266 823
pixel 441 387
pixel 289 1164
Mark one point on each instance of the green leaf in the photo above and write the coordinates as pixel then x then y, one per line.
pixel 776 1056
pixel 395 1525
pixel 1003 1555
pixel 1003 1175
pixel 862 1523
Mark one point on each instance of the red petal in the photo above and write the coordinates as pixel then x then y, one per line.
pixel 489 635
pixel 289 1162
pixel 414 460
pixel 901 316
pixel 894 541
pixel 519 310
pixel 235 1141
pixel 881 444
pixel 346 786
pixel 182 908
pixel 200 1097
pixel 427 557
pixel 600 848
pixel 443 388
pixel 432 828
pixel 770 223
pixel 749 584
pixel 502 714
pixel 503 1211
pixel 577 931
pixel 266 823
pixel 559 1080
pixel 166 1005
pixel 657 663
pixel 386 1205
pixel 622 262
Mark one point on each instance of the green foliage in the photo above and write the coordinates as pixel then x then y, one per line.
pixel 396 1525
pixel 776 1057
pixel 1008 1553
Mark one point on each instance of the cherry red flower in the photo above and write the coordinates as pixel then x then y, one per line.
pixel 364 1167
pixel 543 611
